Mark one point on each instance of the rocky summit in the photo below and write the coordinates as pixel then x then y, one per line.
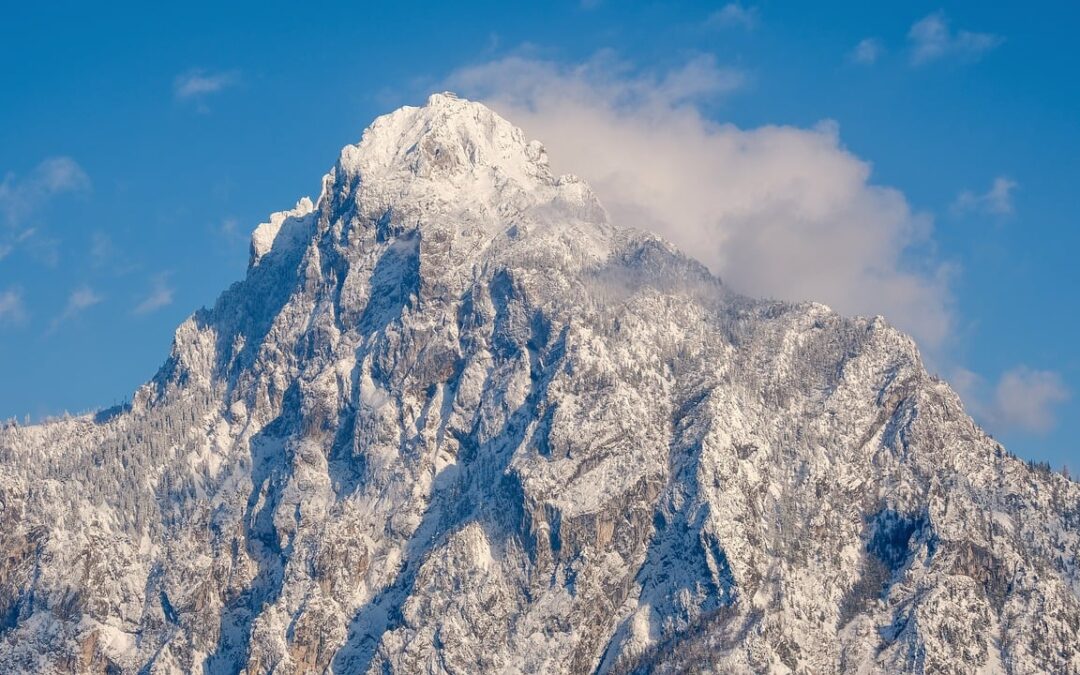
pixel 455 421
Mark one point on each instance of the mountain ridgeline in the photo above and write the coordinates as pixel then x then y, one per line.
pixel 455 421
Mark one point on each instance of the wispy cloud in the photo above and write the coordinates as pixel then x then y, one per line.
pixel 81 299
pixel 21 197
pixel 102 249
pixel 867 52
pixel 997 201
pixel 1023 399
pixel 196 85
pixel 200 83
pixel 7 247
pixel 11 306
pixel 230 226
pixel 777 211
pixel 159 295
pixel 42 247
pixel 603 80
pixel 230 231
pixel 734 15
pixel 931 38
pixel 1026 398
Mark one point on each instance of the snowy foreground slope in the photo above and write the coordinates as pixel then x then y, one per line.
pixel 454 420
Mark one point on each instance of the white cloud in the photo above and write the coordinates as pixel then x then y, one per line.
pixel 997 201
pixel 931 39
pixel 19 198
pixel 776 211
pixel 102 249
pixel 734 15
pixel 196 85
pixel 1026 398
pixel 82 298
pixel 1022 399
pixel 11 306
pixel 867 52
pixel 42 247
pixel 160 295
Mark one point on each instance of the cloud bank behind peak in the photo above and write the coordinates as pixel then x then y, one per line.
pixel 777 211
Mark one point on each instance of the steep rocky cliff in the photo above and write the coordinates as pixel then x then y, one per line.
pixel 453 420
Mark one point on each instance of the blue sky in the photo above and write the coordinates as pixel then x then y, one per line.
pixel 139 147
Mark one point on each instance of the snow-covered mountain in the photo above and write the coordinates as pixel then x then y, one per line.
pixel 454 420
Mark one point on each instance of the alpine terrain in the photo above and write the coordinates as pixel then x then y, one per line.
pixel 455 421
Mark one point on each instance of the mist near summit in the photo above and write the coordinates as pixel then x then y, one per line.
pixel 776 211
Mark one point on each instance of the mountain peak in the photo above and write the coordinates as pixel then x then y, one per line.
pixel 446 136
pixel 457 161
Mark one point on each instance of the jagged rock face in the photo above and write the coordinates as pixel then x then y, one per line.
pixel 455 421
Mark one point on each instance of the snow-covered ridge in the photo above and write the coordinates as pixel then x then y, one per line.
pixel 262 239
pixel 448 135
pixel 454 420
